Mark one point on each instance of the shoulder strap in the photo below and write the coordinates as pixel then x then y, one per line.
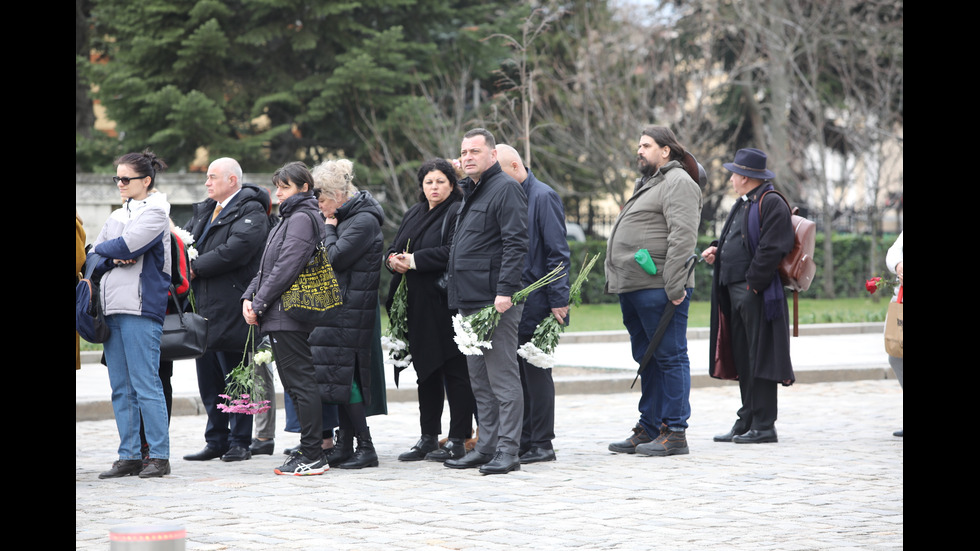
pixel 783 197
pixel 442 233
pixel 316 224
pixel 796 294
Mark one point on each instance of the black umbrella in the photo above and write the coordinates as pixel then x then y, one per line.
pixel 658 335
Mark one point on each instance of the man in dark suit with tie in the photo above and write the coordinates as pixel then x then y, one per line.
pixel 229 228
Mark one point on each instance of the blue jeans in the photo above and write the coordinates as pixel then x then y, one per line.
pixel 331 417
pixel 132 355
pixel 666 382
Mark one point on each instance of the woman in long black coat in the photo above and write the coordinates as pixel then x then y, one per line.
pixel 419 253
pixel 342 349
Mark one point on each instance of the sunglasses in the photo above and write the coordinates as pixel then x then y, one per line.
pixel 126 179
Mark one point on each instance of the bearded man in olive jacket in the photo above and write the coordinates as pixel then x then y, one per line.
pixel 662 219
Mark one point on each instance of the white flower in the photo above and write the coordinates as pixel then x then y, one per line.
pixel 191 254
pixel 183 234
pixel 535 356
pixel 393 351
pixel 466 339
pixel 263 357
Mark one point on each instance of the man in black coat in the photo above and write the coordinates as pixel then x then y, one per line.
pixel 485 264
pixel 229 229
pixel 749 317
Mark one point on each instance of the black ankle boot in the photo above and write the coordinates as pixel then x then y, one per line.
pixel 365 456
pixel 342 450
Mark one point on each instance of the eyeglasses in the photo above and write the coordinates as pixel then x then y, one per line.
pixel 126 179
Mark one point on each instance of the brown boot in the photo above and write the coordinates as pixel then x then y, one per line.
pixel 470 443
pixel 629 445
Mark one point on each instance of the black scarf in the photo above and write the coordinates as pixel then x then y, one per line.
pixel 418 220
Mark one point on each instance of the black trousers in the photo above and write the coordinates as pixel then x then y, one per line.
pixel 295 362
pixel 759 404
pixel 539 404
pixel 451 381
pixel 223 430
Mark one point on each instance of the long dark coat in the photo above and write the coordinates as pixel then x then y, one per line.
pixel 430 325
pixel 228 258
pixel 775 240
pixel 344 345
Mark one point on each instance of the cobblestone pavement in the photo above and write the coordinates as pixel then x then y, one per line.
pixel 834 481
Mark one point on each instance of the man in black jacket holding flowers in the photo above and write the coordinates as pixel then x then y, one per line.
pixel 229 228
pixel 485 265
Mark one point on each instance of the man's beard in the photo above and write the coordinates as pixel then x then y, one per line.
pixel 646 169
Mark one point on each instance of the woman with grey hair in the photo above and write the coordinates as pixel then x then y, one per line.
pixel 342 349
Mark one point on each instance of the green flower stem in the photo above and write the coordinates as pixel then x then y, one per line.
pixel 242 379
pixel 548 332
pixel 548 279
pixel 485 320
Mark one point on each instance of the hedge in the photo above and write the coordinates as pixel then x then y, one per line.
pixel 851 256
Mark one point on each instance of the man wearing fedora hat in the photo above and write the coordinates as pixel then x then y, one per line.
pixel 749 317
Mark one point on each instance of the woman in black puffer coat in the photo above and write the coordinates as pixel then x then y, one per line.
pixel 342 349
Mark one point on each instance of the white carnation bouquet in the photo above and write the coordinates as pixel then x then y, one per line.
pixel 540 350
pixel 395 340
pixel 475 331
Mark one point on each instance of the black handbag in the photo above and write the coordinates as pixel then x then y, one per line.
pixel 316 291
pixel 185 335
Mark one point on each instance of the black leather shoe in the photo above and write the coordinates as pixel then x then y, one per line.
pixel 421 448
pixel 537 455
pixel 502 463
pixel 756 437
pixel 727 437
pixel 206 454
pixel 455 448
pixel 262 447
pixel 237 453
pixel 471 460
pixel 899 433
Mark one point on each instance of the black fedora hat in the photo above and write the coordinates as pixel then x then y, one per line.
pixel 750 163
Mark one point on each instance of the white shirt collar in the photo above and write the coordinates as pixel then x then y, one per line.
pixel 230 197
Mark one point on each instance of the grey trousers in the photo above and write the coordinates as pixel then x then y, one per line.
pixel 265 423
pixel 496 381
pixel 898 366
